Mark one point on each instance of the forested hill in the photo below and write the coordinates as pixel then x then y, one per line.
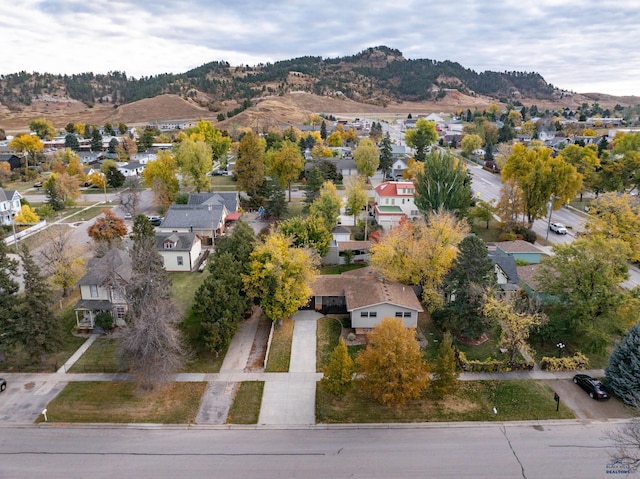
pixel 377 75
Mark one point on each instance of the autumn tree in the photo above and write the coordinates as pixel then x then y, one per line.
pixel 67 187
pixel 62 260
pixel 279 276
pixel 43 128
pixel 414 168
pixel 443 184
pixel 421 137
pixel 250 167
pixel 615 215
pixel 516 325
pixel 586 161
pixel 321 151
pixel 483 211
pixel 510 207
pixel 420 253
pixel 338 373
pixel 152 345
pixel 130 196
pixel 541 177
pixel 392 365
pixel 160 176
pixel 26 215
pixel 356 196
pixel 194 160
pixel 126 148
pixel 36 328
pixel 309 232
pixel 470 143
pixel 445 374
pixel 30 145
pixel 285 164
pixel 5 171
pixel 366 157
pixel 107 230
pixel 583 279
pixel 216 139
pixel 327 205
pixel 335 139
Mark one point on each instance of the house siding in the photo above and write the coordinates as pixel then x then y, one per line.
pixel 362 324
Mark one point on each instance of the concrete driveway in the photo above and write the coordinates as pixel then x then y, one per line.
pixel 23 401
pixel 575 398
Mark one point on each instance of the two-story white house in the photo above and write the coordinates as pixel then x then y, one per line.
pixel 101 289
pixel 179 251
pixel 394 200
pixel 9 205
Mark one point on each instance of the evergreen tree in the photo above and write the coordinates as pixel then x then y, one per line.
pixel 312 187
pixel 445 375
pixel 54 199
pixel 623 373
pixel 96 140
pixel 276 206
pixel 386 160
pixel 8 295
pixel 115 179
pixel 323 130
pixel 488 152
pixel 71 141
pixel 113 145
pixel 338 372
pixel 35 328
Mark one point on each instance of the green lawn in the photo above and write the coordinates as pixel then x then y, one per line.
pixel 473 401
pixel 280 351
pixel 85 215
pixel 482 351
pixel 341 268
pixel 184 286
pixel 101 357
pixel 246 404
pixel 491 235
pixel 328 335
pixel 123 402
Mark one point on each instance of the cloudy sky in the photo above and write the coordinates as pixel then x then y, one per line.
pixel 584 46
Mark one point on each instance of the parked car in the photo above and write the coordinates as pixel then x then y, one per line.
pixel 593 387
pixel 558 228
pixel 38 184
pixel 155 220
pixel 3 384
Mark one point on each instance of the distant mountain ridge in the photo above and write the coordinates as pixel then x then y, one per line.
pixel 378 75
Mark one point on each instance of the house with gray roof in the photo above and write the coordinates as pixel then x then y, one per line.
pixel 102 289
pixel 9 205
pixel 205 220
pixel 520 250
pixel 179 251
pixel 506 273
pixel 14 161
pixel 229 199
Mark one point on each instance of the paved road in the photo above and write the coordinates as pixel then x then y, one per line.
pixel 528 450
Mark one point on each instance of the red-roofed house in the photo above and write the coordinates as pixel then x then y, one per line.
pixel 394 201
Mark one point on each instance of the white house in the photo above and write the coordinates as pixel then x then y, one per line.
pixel 366 297
pixel 101 289
pixel 394 200
pixel 342 242
pixel 9 205
pixel 179 251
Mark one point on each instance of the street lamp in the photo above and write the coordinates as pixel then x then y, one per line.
pixel 550 207
pixel 560 347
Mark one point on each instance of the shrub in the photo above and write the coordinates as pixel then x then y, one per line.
pixel 577 361
pixel 105 321
pixel 491 365
pixel 527 234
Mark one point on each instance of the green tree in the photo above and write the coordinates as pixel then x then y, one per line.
pixel 483 211
pixel 276 204
pixel 421 137
pixel 541 177
pixel 194 160
pixel 623 372
pixel 146 139
pixel 386 154
pixel 51 192
pixel 43 128
pixel 9 297
pixel 327 205
pixel 445 375
pixel 392 365
pixel 308 232
pixel 443 185
pixel 586 161
pixel 96 140
pixel 250 167
pixel 285 164
pixel 323 130
pixel 339 371
pixel 240 243
pixel 312 187
pixel 216 139
pixel 36 328
pixel 366 157
pixel 115 179
pixel 471 277
pixel 279 276
pixel 113 146
pixel 71 142
pixel 583 279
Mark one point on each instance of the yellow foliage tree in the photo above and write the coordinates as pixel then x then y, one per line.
pixel 279 276
pixel 321 151
pixel 420 253
pixel 334 139
pixel 414 167
pixel 392 365
pixel 26 215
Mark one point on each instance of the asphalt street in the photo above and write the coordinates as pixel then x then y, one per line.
pixel 512 450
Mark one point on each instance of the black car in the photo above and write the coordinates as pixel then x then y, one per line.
pixel 595 388
pixel 3 384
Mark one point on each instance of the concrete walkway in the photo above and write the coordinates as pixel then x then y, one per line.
pixel 293 401
pixel 75 356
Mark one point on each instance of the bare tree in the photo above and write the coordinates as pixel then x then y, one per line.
pixel 61 260
pixel 626 441
pixel 130 196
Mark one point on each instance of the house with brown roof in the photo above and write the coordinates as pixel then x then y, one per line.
pixel 367 297
pixel 394 201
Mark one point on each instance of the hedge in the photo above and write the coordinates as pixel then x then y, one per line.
pixel 577 361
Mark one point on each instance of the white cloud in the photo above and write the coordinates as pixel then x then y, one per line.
pixel 578 45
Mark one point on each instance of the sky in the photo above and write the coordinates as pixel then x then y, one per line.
pixel 582 46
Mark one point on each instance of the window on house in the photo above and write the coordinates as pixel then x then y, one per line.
pixel 373 314
pixel 364 314
pixel 398 314
pixel 407 314
pixel 93 290
pixel 169 245
pixel 180 261
pixel 393 201
pixel 120 312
